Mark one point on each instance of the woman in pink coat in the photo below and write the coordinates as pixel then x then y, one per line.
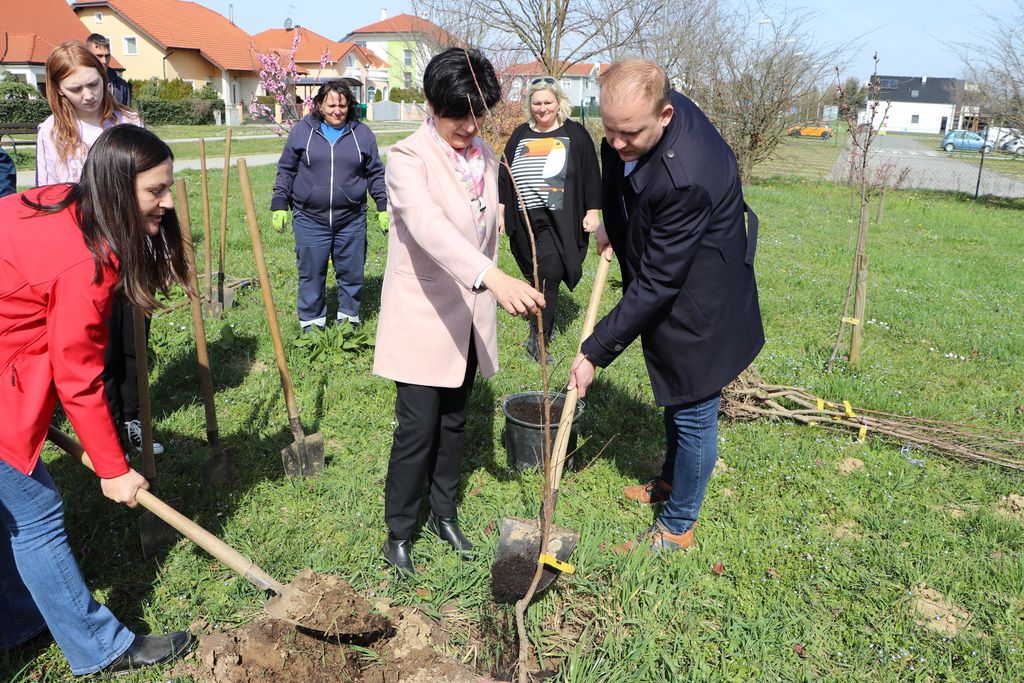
pixel 437 320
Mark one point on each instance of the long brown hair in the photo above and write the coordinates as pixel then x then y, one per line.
pixel 64 59
pixel 111 221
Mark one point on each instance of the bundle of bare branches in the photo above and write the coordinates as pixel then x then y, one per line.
pixel 750 398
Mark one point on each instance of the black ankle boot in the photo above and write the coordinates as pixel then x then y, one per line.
pixel 447 529
pixel 397 554
pixel 149 650
pixel 532 346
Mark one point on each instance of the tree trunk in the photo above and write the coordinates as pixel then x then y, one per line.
pixel 859 306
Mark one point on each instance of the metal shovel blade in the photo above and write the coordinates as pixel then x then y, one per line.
pixel 515 561
pixel 304 457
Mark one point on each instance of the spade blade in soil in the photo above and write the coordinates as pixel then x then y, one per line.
pixel 325 604
pixel 516 559
pixel 304 457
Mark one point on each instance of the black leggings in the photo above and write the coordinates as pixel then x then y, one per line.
pixel 551 272
pixel 120 376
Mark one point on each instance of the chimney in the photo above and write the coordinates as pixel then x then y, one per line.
pixel 383 13
pixel 924 79
pixel 231 13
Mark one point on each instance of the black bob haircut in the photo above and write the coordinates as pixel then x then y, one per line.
pixel 454 81
pixel 343 90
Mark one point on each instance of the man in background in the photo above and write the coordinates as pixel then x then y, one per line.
pixel 119 88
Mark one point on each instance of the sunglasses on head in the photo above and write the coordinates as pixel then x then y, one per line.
pixel 543 79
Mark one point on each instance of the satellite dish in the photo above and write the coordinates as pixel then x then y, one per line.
pixel 288 24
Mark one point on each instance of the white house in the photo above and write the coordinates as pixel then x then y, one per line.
pixel 912 104
pixel 579 81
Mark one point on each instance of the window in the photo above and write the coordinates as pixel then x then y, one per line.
pixel 371 91
pixel 914 118
pixel 361 43
pixel 350 61
pixel 914 93
pixel 566 83
pixel 408 58
pixel 888 83
pixel 407 80
pixel 98 17
pixel 130 46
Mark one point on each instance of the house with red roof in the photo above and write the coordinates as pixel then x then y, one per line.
pixel 30 30
pixel 579 81
pixel 319 59
pixel 405 42
pixel 170 39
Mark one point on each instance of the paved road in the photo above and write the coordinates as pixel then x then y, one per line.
pixel 932 169
pixel 28 178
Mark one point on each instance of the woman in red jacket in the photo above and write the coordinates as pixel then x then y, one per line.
pixel 64 251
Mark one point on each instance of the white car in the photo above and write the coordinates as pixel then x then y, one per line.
pixel 1014 146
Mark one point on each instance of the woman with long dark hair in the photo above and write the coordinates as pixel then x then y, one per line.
pixel 329 163
pixel 438 322
pixel 66 250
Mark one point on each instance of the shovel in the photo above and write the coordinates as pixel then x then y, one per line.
pixel 304 457
pixel 295 602
pixel 224 296
pixel 219 469
pixel 211 304
pixel 520 542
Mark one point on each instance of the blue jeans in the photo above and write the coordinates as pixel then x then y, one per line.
pixel 315 243
pixel 691 448
pixel 41 585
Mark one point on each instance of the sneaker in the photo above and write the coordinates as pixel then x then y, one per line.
pixel 353 320
pixel 654 492
pixel 134 430
pixel 657 538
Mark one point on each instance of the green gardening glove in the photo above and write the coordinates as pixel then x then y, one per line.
pixel 382 221
pixel 280 219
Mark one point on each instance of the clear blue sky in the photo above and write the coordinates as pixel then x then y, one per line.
pixel 912 37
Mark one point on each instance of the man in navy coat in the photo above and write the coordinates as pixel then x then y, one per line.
pixel 675 217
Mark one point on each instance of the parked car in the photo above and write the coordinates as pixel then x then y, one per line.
pixel 811 129
pixel 1013 146
pixel 966 140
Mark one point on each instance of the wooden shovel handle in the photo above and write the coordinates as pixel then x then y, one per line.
pixel 207 233
pixel 224 205
pixel 572 396
pixel 268 297
pixel 202 353
pixel 189 529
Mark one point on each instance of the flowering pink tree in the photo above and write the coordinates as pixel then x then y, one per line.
pixel 278 81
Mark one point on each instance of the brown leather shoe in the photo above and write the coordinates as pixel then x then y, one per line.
pixel 658 538
pixel 652 493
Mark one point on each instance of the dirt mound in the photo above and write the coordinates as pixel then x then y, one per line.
pixel 274 651
pixel 937 613
pixel 850 465
pixel 324 602
pixel 1011 507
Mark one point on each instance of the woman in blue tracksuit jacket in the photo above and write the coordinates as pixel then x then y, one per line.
pixel 328 164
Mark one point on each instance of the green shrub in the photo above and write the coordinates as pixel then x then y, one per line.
pixel 407 95
pixel 207 92
pixel 13 89
pixel 378 96
pixel 171 91
pixel 23 111
pixel 184 112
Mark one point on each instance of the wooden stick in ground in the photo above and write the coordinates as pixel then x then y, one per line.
pixel 145 415
pixel 224 217
pixel 859 305
pixel 207 232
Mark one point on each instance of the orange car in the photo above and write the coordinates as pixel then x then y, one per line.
pixel 811 129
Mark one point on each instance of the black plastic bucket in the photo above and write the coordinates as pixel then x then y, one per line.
pixel 524 441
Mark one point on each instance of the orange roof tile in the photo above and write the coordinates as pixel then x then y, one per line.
pixel 404 23
pixel 35 27
pixel 535 68
pixel 311 44
pixel 186 25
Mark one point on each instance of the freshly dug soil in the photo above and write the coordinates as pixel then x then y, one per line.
pixel 274 651
pixel 325 603
pixel 532 412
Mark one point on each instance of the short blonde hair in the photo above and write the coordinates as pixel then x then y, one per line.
pixel 634 78
pixel 547 83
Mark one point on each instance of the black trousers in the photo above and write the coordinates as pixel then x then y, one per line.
pixel 550 271
pixel 427 448
pixel 120 376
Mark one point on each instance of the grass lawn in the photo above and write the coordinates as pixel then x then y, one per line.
pixel 810 158
pixel 823 572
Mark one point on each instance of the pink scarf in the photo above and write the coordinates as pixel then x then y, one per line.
pixel 469 166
